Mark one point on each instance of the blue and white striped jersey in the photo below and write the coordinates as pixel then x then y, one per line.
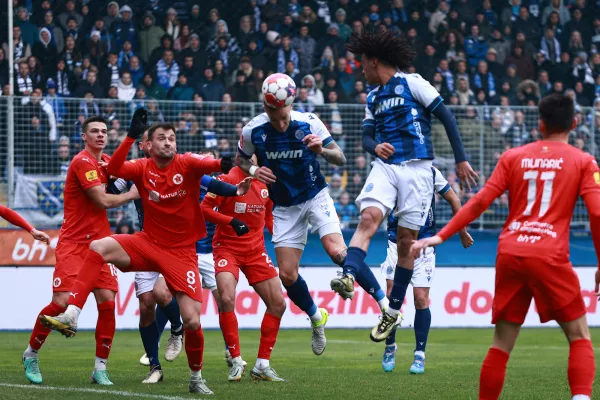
pixel 296 167
pixel 400 111
pixel 429 229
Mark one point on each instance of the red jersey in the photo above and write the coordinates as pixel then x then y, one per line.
pixel 83 220
pixel 255 209
pixel 544 180
pixel 170 196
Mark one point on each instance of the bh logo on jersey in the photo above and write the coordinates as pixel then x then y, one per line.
pixel 178 179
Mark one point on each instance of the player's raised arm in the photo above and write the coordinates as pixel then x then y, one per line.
pixel 369 143
pixel 589 190
pixel 452 199
pixel 244 159
pixel 118 164
pixel 494 187
pixel 220 188
pixel 14 218
pixel 208 205
pixel 321 142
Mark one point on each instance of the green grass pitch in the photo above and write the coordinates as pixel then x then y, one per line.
pixel 350 368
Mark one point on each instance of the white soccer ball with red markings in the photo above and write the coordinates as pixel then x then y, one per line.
pixel 279 90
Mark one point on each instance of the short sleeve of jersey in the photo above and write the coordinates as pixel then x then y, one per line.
pixel 423 92
pixel 369 117
pixel 86 173
pixel 317 127
pixel 245 146
pixel 590 179
pixel 440 183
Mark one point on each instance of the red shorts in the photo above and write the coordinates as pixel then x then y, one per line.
pixel 554 287
pixel 255 264
pixel 179 265
pixel 69 258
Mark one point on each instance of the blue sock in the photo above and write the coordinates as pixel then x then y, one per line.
pixel 391 340
pixel 422 325
pixel 299 295
pixel 150 337
pixel 402 278
pixel 161 320
pixel 356 266
pixel 169 313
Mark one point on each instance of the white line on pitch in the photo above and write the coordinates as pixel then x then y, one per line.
pixel 98 391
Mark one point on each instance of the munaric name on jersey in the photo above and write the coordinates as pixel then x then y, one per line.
pixel 275 155
pixel 550 163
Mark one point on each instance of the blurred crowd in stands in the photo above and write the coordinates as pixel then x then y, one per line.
pixel 77 58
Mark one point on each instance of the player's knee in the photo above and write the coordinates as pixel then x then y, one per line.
pixel 369 220
pixel 277 307
pixel 162 296
pixel 404 242
pixel 576 330
pixel 191 322
pixel 99 247
pixel 421 301
pixel 288 276
pixel 227 301
pixel 147 312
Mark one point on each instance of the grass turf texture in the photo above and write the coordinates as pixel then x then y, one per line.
pixel 350 368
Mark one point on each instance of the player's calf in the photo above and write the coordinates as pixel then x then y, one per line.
pixel 421 325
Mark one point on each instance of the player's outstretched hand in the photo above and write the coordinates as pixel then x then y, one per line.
pixel 314 143
pixel 239 227
pixel 467 175
pixel 265 175
pixel 227 163
pixel 41 236
pixel 465 238
pixel 244 186
pixel 419 245
pixel 384 150
pixel 138 124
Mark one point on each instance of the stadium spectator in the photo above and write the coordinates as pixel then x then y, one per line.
pixel 56 34
pixel 500 44
pixel 181 92
pixel 23 81
pixel 219 72
pixel 302 104
pixel 211 89
pixel 475 46
pixel 523 64
pixel 544 83
pixel 333 42
pixel 272 13
pixel 335 187
pixel 126 90
pixel 344 30
pixel 109 74
pixel 123 29
pixel 62 160
pixel 183 39
pixel 240 91
pixel 150 37
pixel 21 49
pixel 36 71
pixel 517 133
pixel 172 26
pixel 210 132
pixel 56 102
pixel 135 70
pixel 345 78
pixel 166 70
pixel 226 51
pixel 464 93
pixel 550 46
pixel 346 210
pixel 28 30
pixel 287 53
pixel 484 79
pixel 152 89
pixel 90 85
pixel 439 17
pixel 559 8
pixel 97 49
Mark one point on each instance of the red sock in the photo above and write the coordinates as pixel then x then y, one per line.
pixel 268 335
pixel 582 367
pixel 89 273
pixel 194 348
pixel 493 372
pixel 229 327
pixel 105 328
pixel 40 332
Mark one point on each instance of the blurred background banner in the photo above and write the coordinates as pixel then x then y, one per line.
pixel 40 198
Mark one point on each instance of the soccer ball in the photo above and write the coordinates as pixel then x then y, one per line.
pixel 279 90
